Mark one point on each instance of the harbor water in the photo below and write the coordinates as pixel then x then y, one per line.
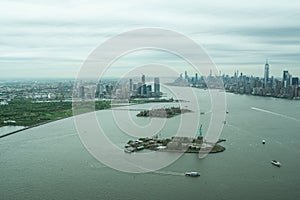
pixel 50 162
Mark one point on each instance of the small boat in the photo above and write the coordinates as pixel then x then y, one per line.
pixel 192 174
pixel 264 141
pixel 276 163
pixel 129 150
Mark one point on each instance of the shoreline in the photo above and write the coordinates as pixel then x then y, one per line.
pixel 32 126
pixel 60 118
pixel 174 145
pixel 194 151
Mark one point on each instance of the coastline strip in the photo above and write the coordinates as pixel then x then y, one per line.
pixel 28 127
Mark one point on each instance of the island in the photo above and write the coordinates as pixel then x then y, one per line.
pixel 163 112
pixel 175 144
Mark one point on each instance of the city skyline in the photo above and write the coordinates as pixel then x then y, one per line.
pixel 266 74
pixel 285 87
pixel 40 39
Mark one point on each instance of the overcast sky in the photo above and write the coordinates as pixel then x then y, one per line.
pixel 40 39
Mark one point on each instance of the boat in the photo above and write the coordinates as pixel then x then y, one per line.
pixel 139 148
pixel 129 150
pixel 264 141
pixel 192 174
pixel 276 163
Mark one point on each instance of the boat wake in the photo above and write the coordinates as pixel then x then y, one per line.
pixel 168 173
pixel 274 113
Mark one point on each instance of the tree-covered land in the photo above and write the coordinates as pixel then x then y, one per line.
pixel 25 112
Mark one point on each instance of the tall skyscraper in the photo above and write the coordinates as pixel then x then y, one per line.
pixel 266 76
pixel 143 79
pixel 156 86
pixel 285 79
pixel 148 90
pixel 143 89
pixel 130 85
pixel 140 88
pixel 186 77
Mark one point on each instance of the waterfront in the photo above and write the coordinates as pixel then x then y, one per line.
pixel 49 161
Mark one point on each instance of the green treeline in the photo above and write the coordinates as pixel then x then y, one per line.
pixel 25 112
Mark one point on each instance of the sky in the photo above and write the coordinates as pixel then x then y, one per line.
pixel 53 39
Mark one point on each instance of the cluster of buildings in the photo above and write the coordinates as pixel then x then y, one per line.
pixel 121 89
pixel 43 90
pixel 142 90
pixel 285 87
pixel 53 90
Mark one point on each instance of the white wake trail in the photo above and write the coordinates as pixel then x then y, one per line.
pixel 274 113
pixel 168 173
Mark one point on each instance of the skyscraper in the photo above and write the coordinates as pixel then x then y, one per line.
pixel 295 81
pixel 156 86
pixel 266 76
pixel 143 89
pixel 148 90
pixel 143 79
pixel 186 77
pixel 285 79
pixel 130 85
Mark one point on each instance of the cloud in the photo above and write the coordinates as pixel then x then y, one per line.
pixel 62 34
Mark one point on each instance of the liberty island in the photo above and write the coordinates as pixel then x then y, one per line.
pixel 175 144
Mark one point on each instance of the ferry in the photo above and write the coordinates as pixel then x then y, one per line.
pixel 276 163
pixel 192 174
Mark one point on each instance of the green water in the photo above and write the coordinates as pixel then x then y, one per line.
pixel 49 162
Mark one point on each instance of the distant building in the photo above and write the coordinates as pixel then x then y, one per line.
pixel 144 90
pixel 156 86
pixel 139 88
pixel 186 77
pixel 81 92
pixel 148 90
pixel 295 91
pixel 266 75
pixel 130 85
pixel 286 79
pixel 295 81
pixel 143 79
